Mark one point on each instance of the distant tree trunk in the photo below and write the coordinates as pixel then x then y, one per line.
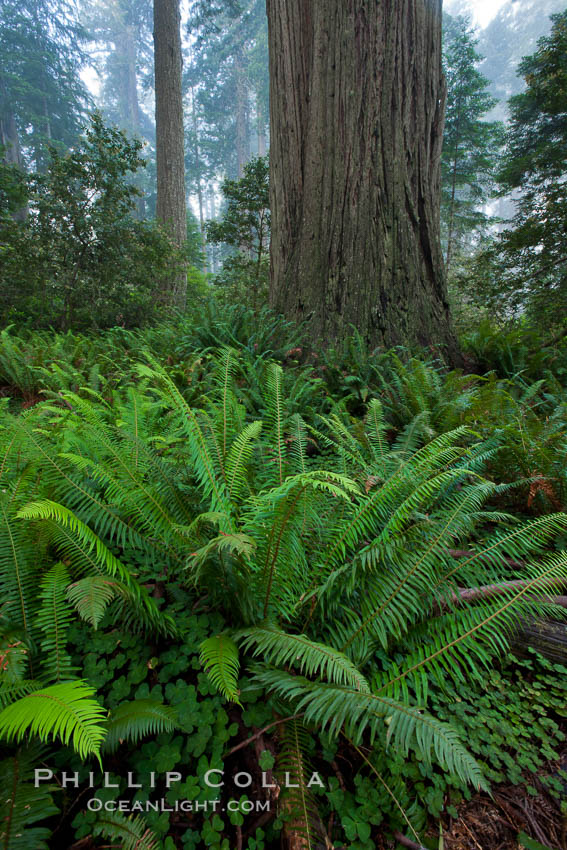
pixel 131 102
pixel 242 128
pixel 10 141
pixel 211 213
pixel 132 106
pixel 170 154
pixel 451 229
pixel 261 125
pixel 199 185
pixel 357 100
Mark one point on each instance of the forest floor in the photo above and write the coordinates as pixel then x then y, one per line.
pixel 494 822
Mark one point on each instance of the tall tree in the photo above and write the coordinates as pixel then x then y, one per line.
pixel 512 34
pixel 356 106
pixel 533 253
pixel 170 152
pixel 471 144
pixel 121 31
pixel 42 99
pixel 229 76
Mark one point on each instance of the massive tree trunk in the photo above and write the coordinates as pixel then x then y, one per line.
pixel 357 100
pixel 170 154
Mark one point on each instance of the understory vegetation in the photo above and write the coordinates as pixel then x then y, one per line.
pixel 221 551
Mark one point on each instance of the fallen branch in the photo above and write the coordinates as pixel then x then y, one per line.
pixel 468 553
pixel 471 594
pixel 407 842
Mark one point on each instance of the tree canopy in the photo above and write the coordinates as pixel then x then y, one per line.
pixel 470 145
pixel 530 255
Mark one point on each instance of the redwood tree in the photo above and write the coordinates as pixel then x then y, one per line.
pixel 170 154
pixel 357 100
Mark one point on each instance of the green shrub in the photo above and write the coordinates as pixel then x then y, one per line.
pixel 80 259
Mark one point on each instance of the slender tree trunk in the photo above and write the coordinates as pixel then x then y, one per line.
pixel 211 214
pixel 131 82
pixel 131 101
pixel 261 125
pixel 41 136
pixel 242 128
pixel 47 120
pixel 451 232
pixel 170 154
pixel 357 98
pixel 199 186
pixel 10 141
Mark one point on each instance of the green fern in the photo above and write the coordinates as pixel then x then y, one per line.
pixel 336 545
pixel 297 804
pixel 198 446
pixel 219 658
pixel 91 596
pixel 133 833
pixel 74 540
pixel 131 721
pixel 282 649
pixel 54 619
pixel 239 457
pixel 333 708
pixel 18 573
pixel 66 711
pixel 275 418
pixel 23 807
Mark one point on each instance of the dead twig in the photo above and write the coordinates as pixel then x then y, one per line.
pixel 259 734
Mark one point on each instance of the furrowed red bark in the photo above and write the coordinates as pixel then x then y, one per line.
pixel 356 124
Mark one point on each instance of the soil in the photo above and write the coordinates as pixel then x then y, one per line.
pixel 493 823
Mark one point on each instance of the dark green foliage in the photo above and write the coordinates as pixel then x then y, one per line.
pixel 24 807
pixel 42 98
pixel 13 190
pixel 512 725
pixel 518 349
pixel 261 335
pixel 245 226
pixel 526 269
pixel 511 719
pixel 80 259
